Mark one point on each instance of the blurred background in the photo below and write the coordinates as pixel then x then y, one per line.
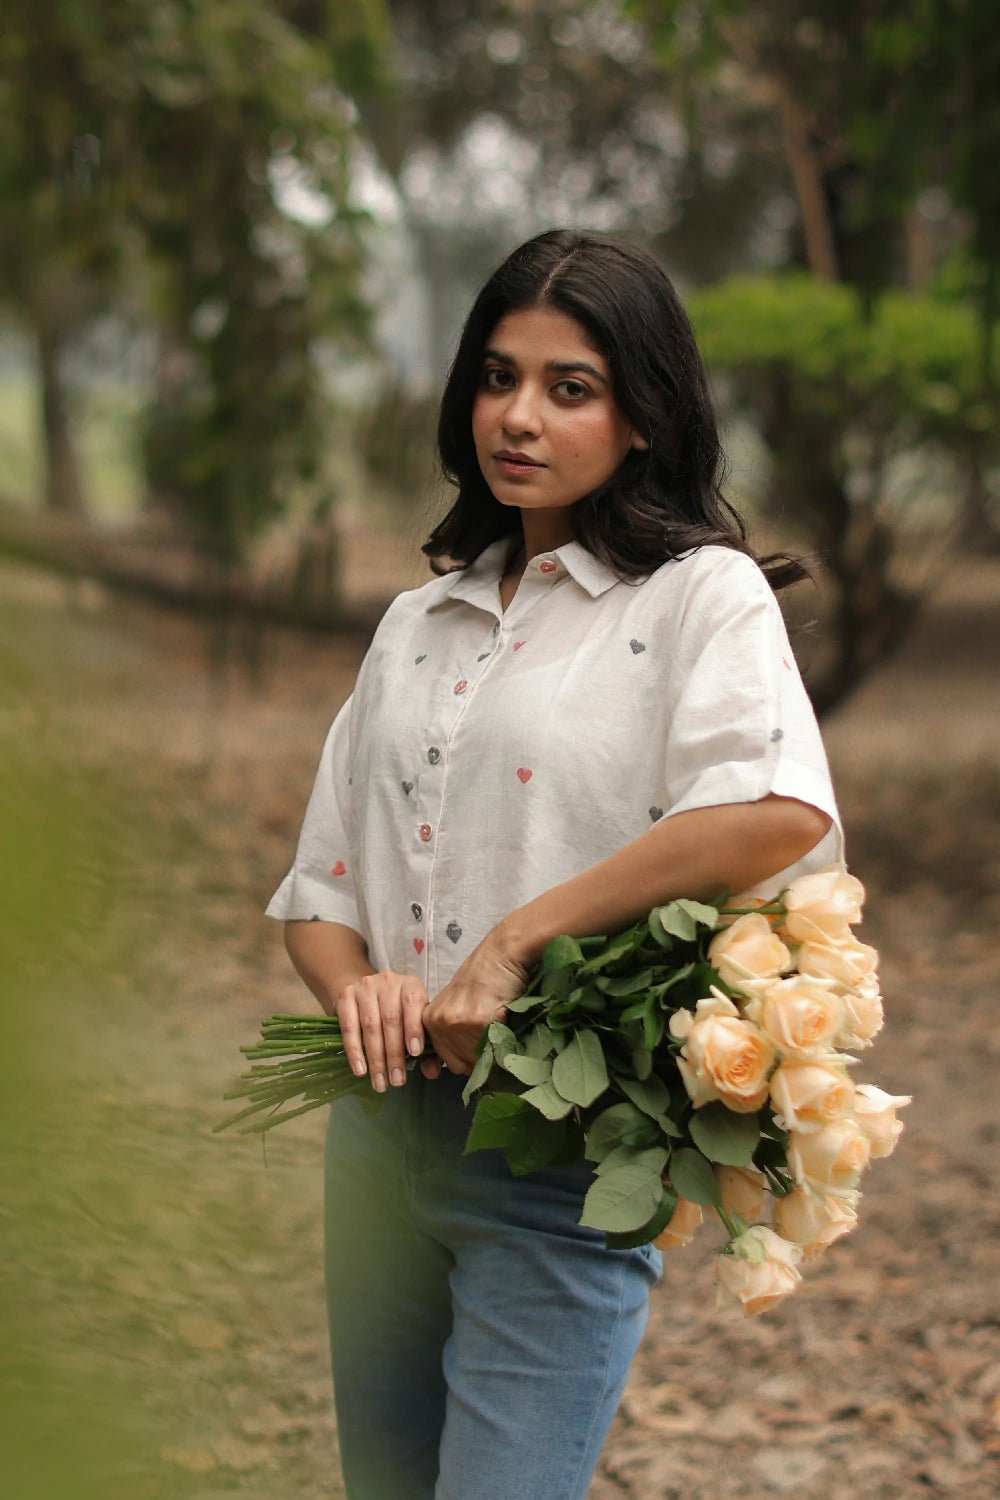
pixel 237 240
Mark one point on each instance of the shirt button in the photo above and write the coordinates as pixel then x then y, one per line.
pixel 425 831
pixel 460 687
pixel 434 755
pixel 547 566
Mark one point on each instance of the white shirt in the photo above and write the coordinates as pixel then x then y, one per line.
pixel 488 755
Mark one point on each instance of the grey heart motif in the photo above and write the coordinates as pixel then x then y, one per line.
pixel 407 786
pixel 656 813
pixel 418 659
pixel 637 646
pixel 483 657
pixel 416 909
pixel 453 931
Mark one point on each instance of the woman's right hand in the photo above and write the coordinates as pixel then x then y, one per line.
pixel 381 1019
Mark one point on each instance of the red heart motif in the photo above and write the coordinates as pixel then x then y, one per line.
pixel 519 644
pixel 418 943
pixel 547 566
pixel 785 664
pixel 339 868
pixel 523 774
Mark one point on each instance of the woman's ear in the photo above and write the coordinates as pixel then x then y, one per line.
pixel 639 443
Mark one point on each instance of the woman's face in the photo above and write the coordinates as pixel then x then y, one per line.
pixel 544 422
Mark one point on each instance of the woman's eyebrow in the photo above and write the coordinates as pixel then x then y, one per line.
pixel 557 366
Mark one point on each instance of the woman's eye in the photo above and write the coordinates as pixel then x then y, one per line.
pixel 573 390
pixel 495 378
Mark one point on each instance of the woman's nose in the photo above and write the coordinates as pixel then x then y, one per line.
pixel 523 411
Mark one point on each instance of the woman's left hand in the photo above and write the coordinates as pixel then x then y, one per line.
pixel 476 995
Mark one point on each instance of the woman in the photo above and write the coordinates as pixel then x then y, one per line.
pixel 595 712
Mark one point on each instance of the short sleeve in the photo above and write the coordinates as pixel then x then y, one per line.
pixel 320 886
pixel 741 726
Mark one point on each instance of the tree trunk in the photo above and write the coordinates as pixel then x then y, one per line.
pixel 807 174
pixel 63 483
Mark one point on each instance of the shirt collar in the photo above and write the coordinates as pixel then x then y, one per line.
pixel 477 584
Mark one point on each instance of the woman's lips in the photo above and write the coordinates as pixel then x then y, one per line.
pixel 517 463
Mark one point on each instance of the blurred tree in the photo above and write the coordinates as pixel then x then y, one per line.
pixel 200 152
pixel 874 424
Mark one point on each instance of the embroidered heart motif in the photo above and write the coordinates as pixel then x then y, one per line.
pixel 776 735
pixel 418 659
pixel 483 657
pixel 418 943
pixel 548 566
pixel 339 868
pixel 407 786
pixel 314 918
pixel 523 774
pixel 656 813
pixel 519 644
pixel 434 755
pixel 460 687
pixel 786 665
pixel 453 931
pixel 416 909
pixel 637 646
pixel 425 831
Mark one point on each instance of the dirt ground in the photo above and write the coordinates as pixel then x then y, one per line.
pixel 162 1285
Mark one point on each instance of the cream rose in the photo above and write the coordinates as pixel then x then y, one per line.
pixel 724 1057
pixel 759 1271
pixel 830 1159
pixel 875 1112
pixel 846 961
pixel 742 1191
pixel 813 1221
pixel 808 1095
pixel 686 1218
pixel 747 952
pixel 800 1015
pixel 821 906
pixel 863 1017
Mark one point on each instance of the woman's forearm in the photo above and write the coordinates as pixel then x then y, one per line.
pixel 328 956
pixel 700 854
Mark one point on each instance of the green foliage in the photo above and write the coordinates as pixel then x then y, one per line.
pixel 195 158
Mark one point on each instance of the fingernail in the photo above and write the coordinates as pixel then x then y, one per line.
pixel 415 1045
pixel 397 1075
pixel 379 1083
pixel 359 1067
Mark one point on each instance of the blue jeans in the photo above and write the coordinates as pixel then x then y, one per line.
pixel 481 1337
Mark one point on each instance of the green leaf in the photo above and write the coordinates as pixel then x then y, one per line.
pixel 495 1122
pixel 657 931
pixel 627 984
pixel 557 984
pixel 561 953
pixel 724 1136
pixel 579 1072
pixel 703 914
pixel 623 1155
pixel 480 1072
pixel 530 1070
pixel 650 1094
pixel 654 1024
pixel 675 921
pixel 692 1176
pixel 540 1040
pixel 620 947
pixel 539 1142
pixel 502 1038
pixel 545 1098
pixel 523 1003
pixel 648 1232
pixel 624 1199
pixel 619 1124
pixel 642 1062
pixel 508 1123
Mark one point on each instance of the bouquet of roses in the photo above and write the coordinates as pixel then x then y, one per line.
pixel 698 1059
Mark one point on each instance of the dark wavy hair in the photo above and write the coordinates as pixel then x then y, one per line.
pixel 658 504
